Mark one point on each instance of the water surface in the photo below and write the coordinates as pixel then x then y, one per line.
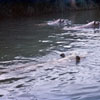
pixel 29 59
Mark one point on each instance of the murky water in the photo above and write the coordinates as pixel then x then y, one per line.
pixel 30 65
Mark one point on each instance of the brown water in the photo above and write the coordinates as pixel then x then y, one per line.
pixel 29 59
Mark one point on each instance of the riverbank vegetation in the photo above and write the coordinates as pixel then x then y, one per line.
pixel 16 8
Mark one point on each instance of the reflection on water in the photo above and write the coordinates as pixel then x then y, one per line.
pixel 30 65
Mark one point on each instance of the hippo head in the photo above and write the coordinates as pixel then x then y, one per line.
pixel 78 59
pixel 64 22
pixel 96 24
pixel 62 55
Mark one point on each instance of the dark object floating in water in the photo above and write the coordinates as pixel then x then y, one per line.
pixel 77 59
pixel 1 95
pixel 62 55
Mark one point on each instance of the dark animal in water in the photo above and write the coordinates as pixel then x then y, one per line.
pixel 77 59
pixel 62 55
pixel 58 22
pixel 93 24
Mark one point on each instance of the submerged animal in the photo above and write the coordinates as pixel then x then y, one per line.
pixel 93 24
pixel 62 55
pixel 63 60
pixel 58 22
pixel 77 58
